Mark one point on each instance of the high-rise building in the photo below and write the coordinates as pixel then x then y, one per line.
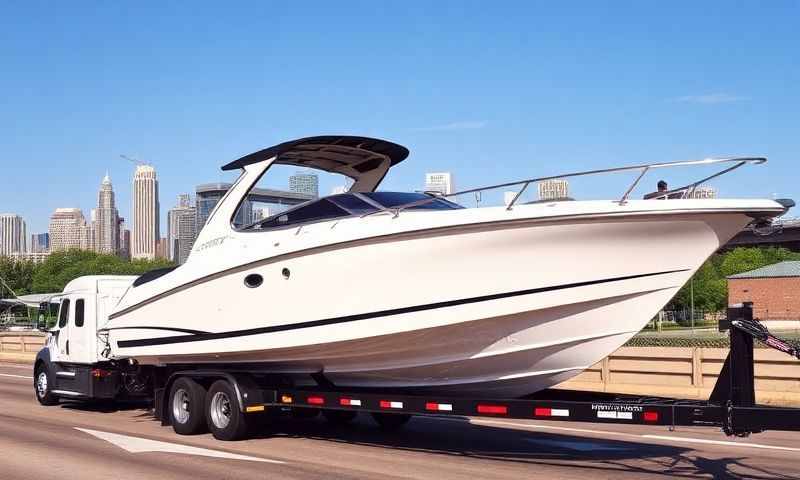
pixel 13 234
pixel 40 243
pixel 441 182
pixel 68 229
pixel 124 240
pixel 145 213
pixel 181 229
pixel 553 189
pixel 305 183
pixel 106 220
pixel 209 194
pixel 162 248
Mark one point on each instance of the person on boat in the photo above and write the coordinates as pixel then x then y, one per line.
pixel 660 194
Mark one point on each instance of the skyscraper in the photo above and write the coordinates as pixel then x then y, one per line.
pixel 145 213
pixel 67 229
pixel 441 182
pixel 553 189
pixel 181 229
pixel 40 243
pixel 306 183
pixel 124 240
pixel 13 234
pixel 106 221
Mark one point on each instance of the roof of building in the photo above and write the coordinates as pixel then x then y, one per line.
pixel 776 270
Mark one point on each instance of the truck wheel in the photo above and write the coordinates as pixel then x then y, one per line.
pixel 186 402
pixel 391 421
pixel 339 417
pixel 224 417
pixel 42 386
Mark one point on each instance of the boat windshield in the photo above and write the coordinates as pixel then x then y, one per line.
pixel 348 204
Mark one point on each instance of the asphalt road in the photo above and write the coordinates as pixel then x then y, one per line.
pixel 76 441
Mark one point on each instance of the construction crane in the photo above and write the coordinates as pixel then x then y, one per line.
pixel 133 160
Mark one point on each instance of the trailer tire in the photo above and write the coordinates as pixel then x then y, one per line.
pixel 224 417
pixel 339 417
pixel 391 421
pixel 187 400
pixel 42 383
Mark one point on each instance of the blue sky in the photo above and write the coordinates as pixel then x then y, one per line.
pixel 492 91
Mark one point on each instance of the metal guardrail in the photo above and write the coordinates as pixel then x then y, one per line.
pixel 684 191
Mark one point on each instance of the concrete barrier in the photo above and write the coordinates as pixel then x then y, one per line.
pixel 658 371
pixel 687 373
pixel 20 346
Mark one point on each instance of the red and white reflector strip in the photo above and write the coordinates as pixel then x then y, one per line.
pixel 315 400
pixel 615 415
pixel 650 416
pixel 493 409
pixel 350 402
pixel 439 407
pixel 551 412
pixel 390 404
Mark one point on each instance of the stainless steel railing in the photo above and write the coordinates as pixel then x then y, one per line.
pixel 681 192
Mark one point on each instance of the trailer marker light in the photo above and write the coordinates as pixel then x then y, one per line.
pixel 550 412
pixel 493 409
pixel 439 407
pixel 100 373
pixel 650 416
pixel 286 399
pixel 255 408
pixel 350 402
pixel 389 404
pixel 315 400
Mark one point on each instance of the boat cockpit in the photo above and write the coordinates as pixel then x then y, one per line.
pixel 347 205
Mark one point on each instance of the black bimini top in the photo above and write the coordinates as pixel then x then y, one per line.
pixel 332 153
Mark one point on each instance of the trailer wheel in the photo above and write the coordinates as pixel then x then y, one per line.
pixel 186 403
pixel 42 384
pixel 339 417
pixel 391 421
pixel 223 415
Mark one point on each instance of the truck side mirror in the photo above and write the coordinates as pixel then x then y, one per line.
pixel 41 317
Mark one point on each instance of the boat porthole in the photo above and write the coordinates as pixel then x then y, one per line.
pixel 253 280
pixel 286 273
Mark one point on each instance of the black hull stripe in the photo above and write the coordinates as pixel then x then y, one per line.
pixel 364 316
pixel 169 329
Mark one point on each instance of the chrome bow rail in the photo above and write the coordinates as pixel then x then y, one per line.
pixel 682 192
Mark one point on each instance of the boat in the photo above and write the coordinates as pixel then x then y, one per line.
pixel 374 289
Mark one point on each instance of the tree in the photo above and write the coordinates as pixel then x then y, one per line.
pixel 62 267
pixel 710 282
pixel 17 275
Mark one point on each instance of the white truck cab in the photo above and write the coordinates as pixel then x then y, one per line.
pixel 66 366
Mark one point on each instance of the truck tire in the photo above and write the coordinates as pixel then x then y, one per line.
pixel 391 421
pixel 224 417
pixel 186 403
pixel 339 417
pixel 43 386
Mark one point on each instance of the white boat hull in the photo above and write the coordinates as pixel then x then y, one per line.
pixel 495 308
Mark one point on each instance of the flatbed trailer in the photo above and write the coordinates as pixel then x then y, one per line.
pixel 730 407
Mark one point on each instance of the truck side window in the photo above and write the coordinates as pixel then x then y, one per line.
pixel 79 312
pixel 63 313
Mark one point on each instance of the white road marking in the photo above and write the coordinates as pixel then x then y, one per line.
pixel 141 445
pixel 26 377
pixel 578 445
pixel 624 434
pixel 721 442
